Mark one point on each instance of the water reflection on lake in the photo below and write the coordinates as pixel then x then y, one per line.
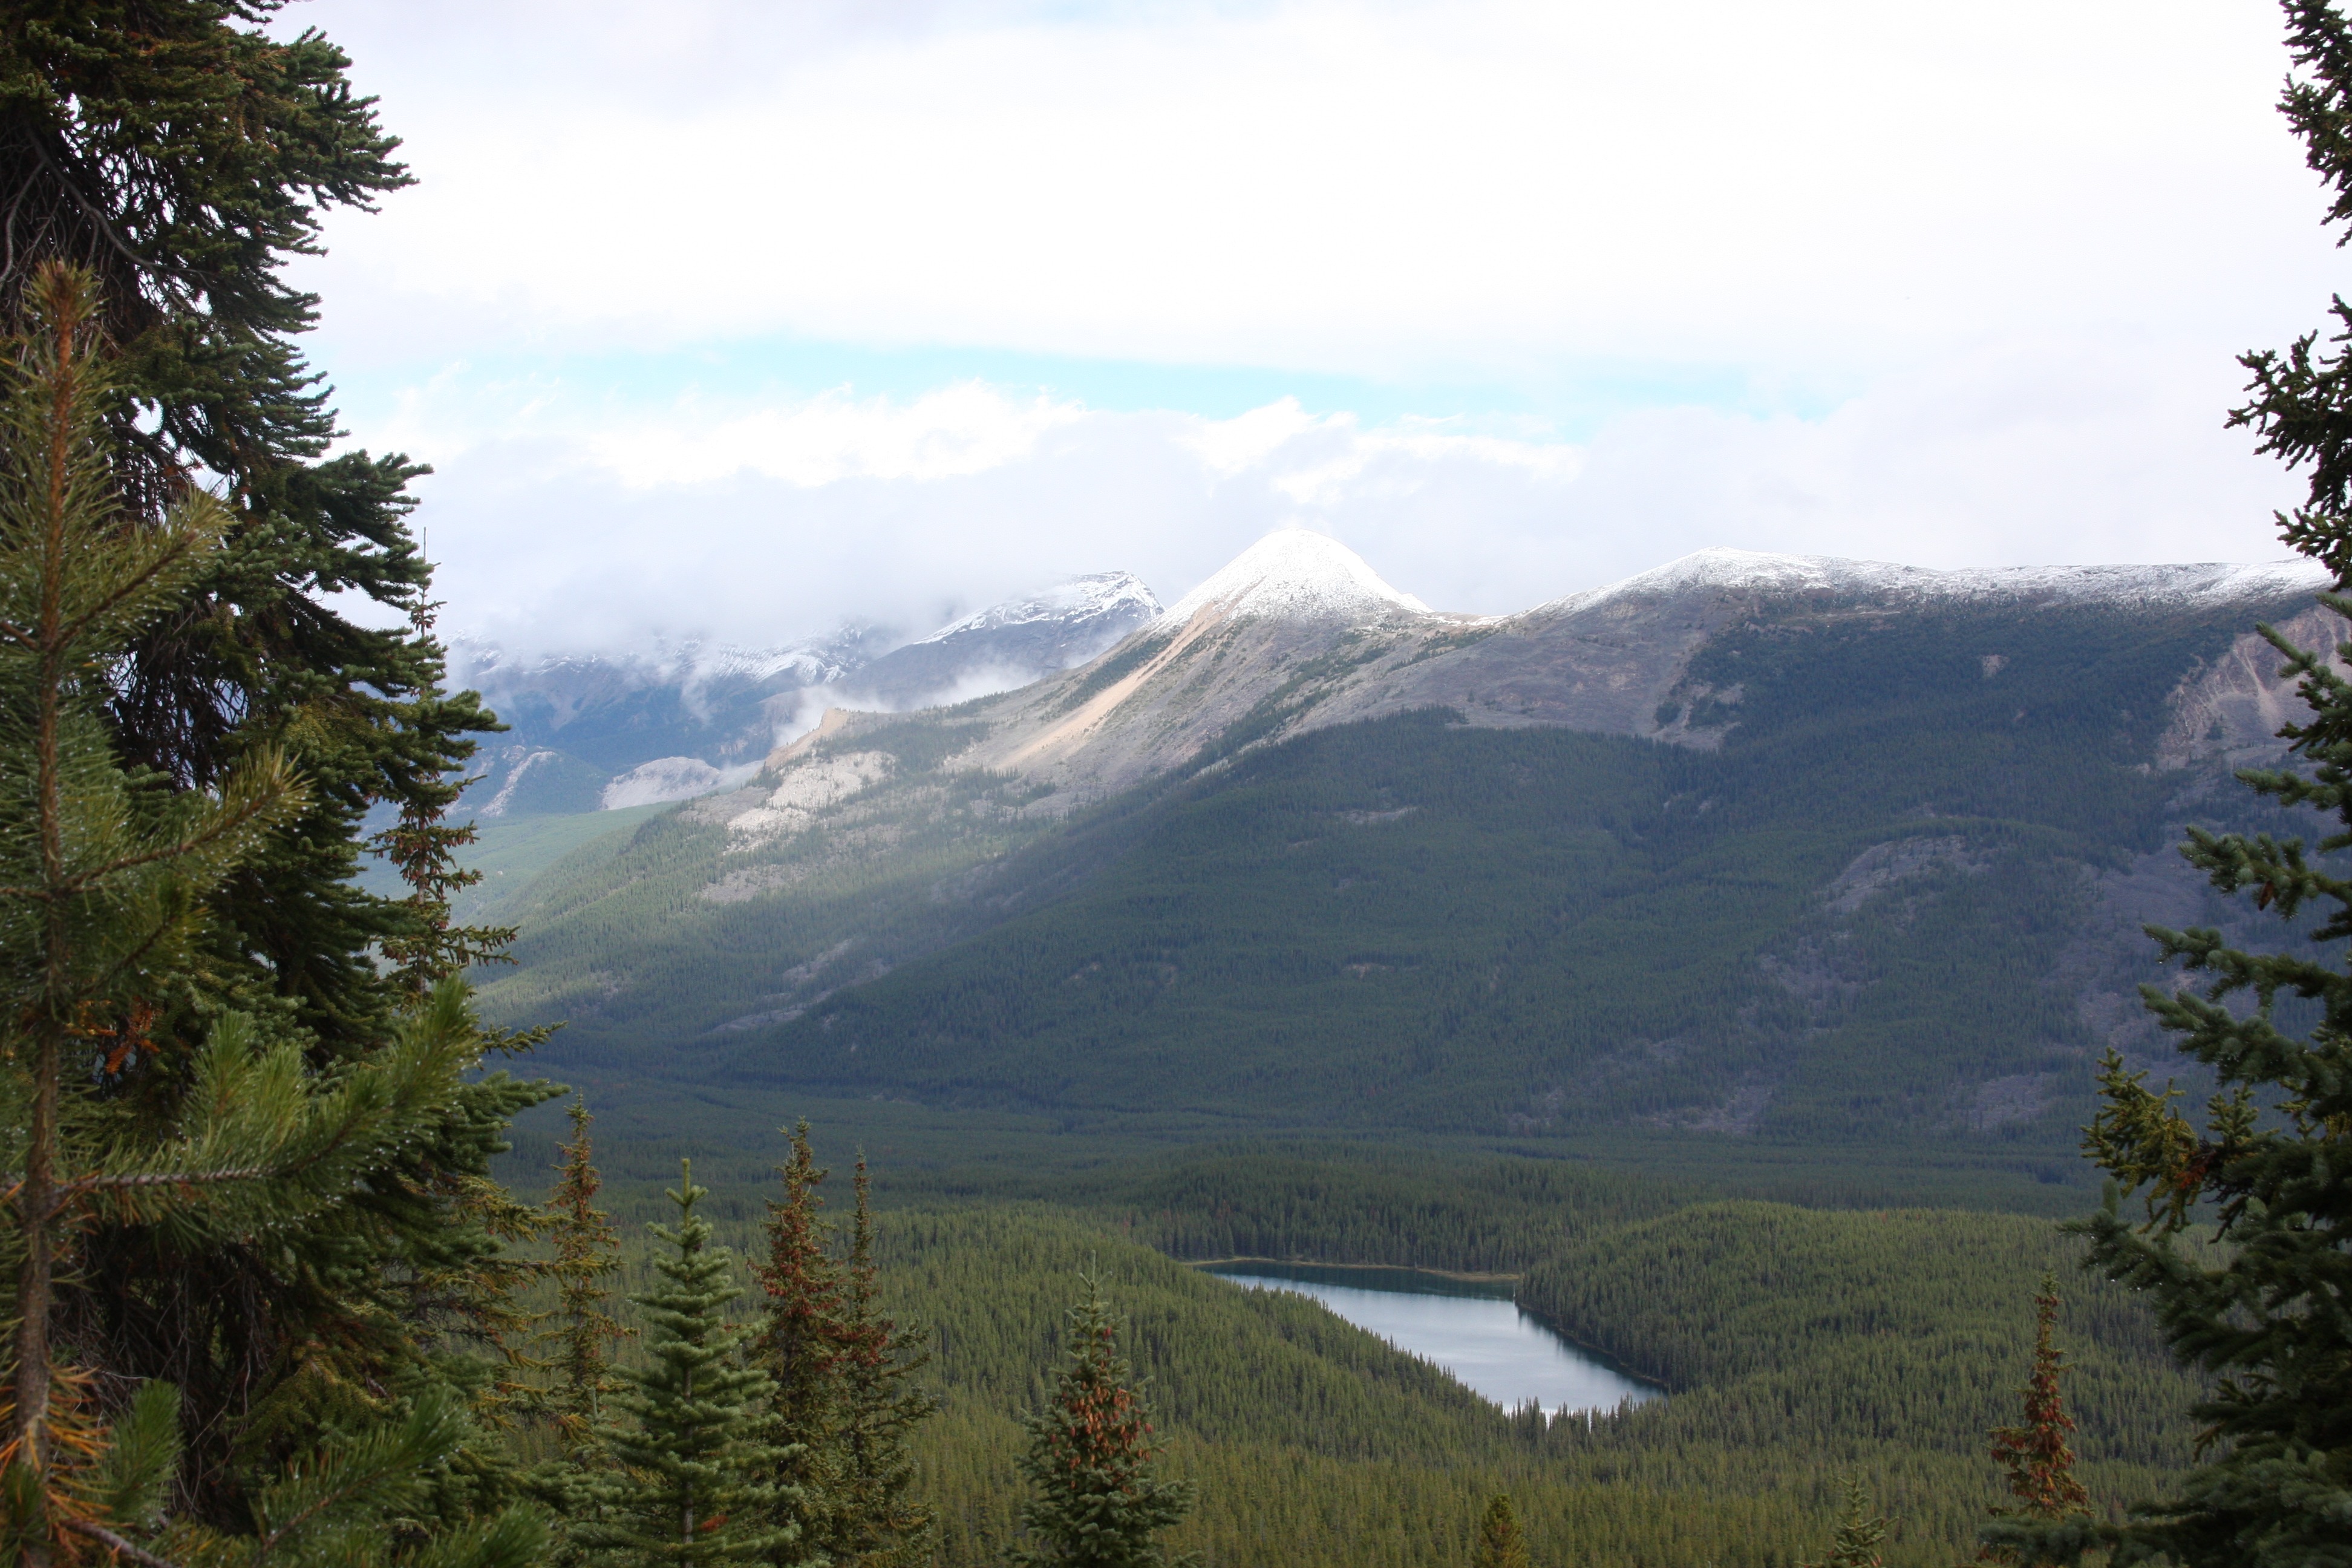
pixel 1471 1328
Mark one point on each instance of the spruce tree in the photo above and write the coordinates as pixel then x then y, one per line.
pixel 2039 1452
pixel 875 1521
pixel 183 155
pixel 802 1343
pixel 695 1485
pixel 1096 1500
pixel 1500 1544
pixel 2244 1243
pixel 581 1331
pixel 1861 1534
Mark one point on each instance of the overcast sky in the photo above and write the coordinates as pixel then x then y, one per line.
pixel 740 319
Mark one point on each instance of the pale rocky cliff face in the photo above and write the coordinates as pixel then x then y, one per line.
pixel 2230 712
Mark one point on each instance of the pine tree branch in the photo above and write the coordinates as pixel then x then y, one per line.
pixel 67 1192
pixel 69 886
pixel 116 1544
pixel 105 225
pixel 169 1179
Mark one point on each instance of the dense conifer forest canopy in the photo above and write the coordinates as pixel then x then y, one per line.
pixel 1745 972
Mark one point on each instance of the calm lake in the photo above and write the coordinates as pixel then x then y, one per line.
pixel 1471 1328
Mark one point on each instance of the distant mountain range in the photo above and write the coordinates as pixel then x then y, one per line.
pixel 589 733
pixel 1750 846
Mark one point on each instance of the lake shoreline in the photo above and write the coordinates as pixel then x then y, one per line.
pixel 1469 1278
pixel 1591 1352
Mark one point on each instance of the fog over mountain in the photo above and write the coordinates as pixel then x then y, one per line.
pixel 606 731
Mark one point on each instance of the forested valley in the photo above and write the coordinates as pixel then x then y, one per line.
pixel 1731 1050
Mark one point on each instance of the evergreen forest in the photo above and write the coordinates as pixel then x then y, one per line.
pixel 379 1192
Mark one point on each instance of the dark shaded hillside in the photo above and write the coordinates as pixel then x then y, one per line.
pixel 1849 920
pixel 1900 900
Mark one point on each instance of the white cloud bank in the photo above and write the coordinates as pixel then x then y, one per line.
pixel 2010 247
pixel 1391 188
pixel 786 520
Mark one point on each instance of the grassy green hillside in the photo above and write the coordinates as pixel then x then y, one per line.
pixel 511 854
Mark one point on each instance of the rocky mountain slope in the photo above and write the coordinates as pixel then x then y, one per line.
pixel 1708 852
pixel 607 732
pixel 1299 633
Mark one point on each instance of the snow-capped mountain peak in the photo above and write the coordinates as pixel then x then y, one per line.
pixel 1294 574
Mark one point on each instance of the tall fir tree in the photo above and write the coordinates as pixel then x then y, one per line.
pixel 2039 1452
pixel 1500 1544
pixel 184 154
pixel 695 1485
pixel 2266 1173
pixel 1096 1498
pixel 802 1344
pixel 875 1520
pixel 577 1338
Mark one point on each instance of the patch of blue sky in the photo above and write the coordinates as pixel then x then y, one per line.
pixel 1567 402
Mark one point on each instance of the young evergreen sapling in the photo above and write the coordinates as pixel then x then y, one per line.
pixel 101 883
pixel 694 1486
pixel 1500 1544
pixel 1861 1534
pixel 1096 1500
pixel 104 879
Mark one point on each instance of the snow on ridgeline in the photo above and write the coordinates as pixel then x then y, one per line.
pixel 1294 573
pixel 474 661
pixel 1080 601
pixel 1750 571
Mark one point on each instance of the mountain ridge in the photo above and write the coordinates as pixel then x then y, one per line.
pixel 1613 660
pixel 1726 569
pixel 1680 857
